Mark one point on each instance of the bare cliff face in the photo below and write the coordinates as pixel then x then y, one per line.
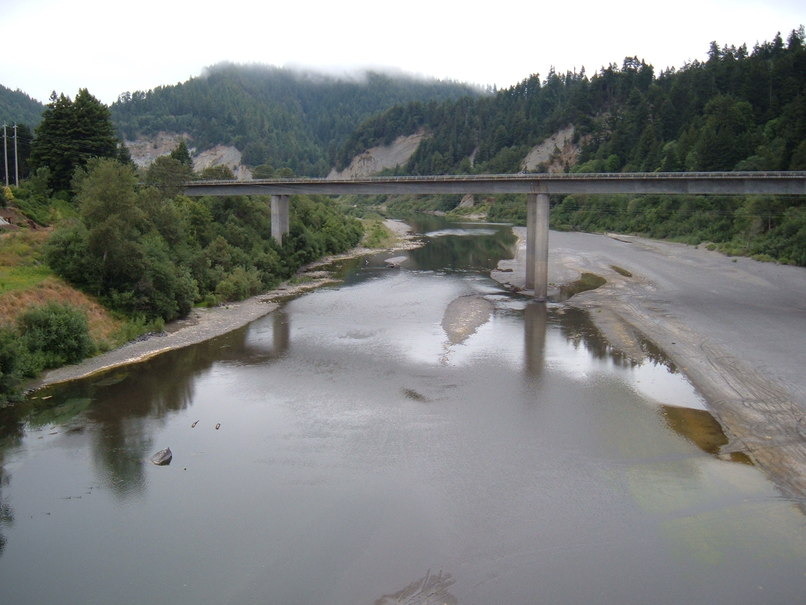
pixel 554 154
pixel 144 150
pixel 376 159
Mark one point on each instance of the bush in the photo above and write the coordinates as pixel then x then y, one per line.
pixel 239 284
pixel 55 334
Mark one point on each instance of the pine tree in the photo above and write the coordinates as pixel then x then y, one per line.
pixel 70 134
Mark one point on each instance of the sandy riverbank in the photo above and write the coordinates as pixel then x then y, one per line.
pixel 203 324
pixel 736 327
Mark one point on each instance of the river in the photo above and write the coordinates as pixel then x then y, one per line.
pixel 416 430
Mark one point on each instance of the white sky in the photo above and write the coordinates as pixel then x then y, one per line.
pixel 109 46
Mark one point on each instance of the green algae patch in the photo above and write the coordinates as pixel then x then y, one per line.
pixel 587 281
pixel 621 271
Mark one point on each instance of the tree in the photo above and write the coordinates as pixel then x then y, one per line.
pixel 70 134
pixel 217 173
pixel 168 174
pixel 182 154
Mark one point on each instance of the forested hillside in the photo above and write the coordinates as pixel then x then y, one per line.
pixel 275 116
pixel 738 110
pixel 16 107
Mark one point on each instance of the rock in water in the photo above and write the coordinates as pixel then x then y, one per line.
pixel 162 457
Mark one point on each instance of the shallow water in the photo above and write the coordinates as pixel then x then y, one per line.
pixel 363 454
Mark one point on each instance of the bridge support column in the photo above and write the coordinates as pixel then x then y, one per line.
pixel 279 217
pixel 537 244
pixel 531 229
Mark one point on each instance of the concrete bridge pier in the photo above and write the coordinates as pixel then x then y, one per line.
pixel 279 217
pixel 537 244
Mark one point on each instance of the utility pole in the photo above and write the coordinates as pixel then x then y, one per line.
pixel 16 160
pixel 5 152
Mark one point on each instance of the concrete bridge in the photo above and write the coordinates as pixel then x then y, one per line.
pixel 537 188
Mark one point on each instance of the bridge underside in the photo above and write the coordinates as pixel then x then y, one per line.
pixel 538 187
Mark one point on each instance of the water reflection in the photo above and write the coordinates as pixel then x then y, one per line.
pixel 535 324
pixel 702 429
pixel 11 433
pixel 481 252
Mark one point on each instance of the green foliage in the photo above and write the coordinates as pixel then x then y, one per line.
pixel 376 235
pixel 509 208
pixel 34 199
pixel 45 337
pixel 182 154
pixel 216 173
pixel 168 174
pixel 70 134
pixel 149 254
pixel 239 284
pixel 274 116
pixel 16 107
pixel 739 110
pixel 54 335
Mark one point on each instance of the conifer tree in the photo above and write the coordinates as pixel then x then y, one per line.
pixel 70 134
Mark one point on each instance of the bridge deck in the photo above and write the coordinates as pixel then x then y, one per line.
pixel 695 183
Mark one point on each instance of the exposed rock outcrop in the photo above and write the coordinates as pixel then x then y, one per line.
pixel 222 155
pixel 144 150
pixel 376 159
pixel 554 154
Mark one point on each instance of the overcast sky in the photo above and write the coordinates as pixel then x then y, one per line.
pixel 109 46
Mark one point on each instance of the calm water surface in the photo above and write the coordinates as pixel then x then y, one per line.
pixel 373 443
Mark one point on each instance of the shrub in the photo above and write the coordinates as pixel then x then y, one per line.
pixel 239 284
pixel 55 334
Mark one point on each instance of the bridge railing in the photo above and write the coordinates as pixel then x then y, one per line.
pixel 696 183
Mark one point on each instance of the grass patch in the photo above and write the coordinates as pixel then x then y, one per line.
pixel 20 278
pixel 376 235
pixel 133 328
pixel 22 260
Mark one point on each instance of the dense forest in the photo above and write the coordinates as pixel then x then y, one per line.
pixel 276 116
pixel 738 110
pixel 16 107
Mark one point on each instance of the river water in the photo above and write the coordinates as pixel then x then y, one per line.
pixel 414 431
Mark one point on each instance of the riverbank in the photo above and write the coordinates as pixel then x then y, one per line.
pixel 206 323
pixel 733 326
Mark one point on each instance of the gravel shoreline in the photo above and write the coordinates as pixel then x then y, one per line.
pixel 204 324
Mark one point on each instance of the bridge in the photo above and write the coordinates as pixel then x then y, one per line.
pixel 537 187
